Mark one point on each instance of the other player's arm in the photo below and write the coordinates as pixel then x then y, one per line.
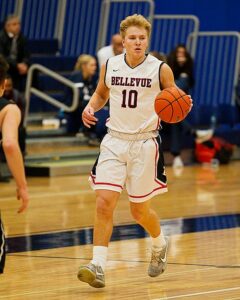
pixel 11 120
pixel 97 101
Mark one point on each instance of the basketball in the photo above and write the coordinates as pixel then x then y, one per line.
pixel 172 105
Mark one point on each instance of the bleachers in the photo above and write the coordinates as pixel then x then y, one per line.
pixel 43 46
pixel 7 7
pixel 80 22
pixel 59 31
pixel 46 52
pixel 39 18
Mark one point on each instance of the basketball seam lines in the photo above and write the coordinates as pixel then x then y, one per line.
pixel 182 96
pixel 170 103
pixel 180 105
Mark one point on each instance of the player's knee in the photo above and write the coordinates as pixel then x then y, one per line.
pixel 9 145
pixel 103 207
pixel 139 215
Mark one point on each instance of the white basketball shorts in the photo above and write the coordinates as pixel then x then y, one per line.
pixel 136 165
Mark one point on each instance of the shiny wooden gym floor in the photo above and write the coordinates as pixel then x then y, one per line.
pixel 200 213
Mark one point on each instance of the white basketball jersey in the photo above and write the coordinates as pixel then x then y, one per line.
pixel 132 94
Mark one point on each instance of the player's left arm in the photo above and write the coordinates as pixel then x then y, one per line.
pixel 167 79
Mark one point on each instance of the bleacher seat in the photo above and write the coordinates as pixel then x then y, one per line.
pixel 37 105
pixel 55 63
pixel 48 83
pixel 45 52
pixel 43 46
pixel 228 114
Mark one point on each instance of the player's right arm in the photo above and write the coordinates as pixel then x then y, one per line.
pixel 97 101
pixel 11 117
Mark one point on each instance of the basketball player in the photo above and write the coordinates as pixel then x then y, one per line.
pixel 10 117
pixel 130 153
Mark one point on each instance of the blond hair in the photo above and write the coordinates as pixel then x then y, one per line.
pixel 82 60
pixel 134 20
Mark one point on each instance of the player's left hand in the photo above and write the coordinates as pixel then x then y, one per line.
pixel 191 100
pixel 22 194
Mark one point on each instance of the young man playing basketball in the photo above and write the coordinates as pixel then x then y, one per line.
pixel 10 117
pixel 130 154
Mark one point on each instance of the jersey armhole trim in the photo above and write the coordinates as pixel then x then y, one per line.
pixel 159 72
pixel 106 73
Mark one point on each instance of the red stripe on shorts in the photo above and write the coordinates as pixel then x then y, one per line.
pixel 159 188
pixel 105 183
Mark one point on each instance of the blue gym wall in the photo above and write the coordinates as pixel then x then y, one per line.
pixel 214 15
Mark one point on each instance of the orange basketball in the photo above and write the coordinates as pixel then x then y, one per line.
pixel 172 105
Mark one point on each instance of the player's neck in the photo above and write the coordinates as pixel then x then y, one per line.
pixel 134 61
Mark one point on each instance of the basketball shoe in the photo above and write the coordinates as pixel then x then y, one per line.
pixel 158 261
pixel 92 274
pixel 177 162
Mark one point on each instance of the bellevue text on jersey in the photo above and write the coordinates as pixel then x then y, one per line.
pixel 126 81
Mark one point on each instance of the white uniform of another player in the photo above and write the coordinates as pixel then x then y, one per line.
pixel 130 153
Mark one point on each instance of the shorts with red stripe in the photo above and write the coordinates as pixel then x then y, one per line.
pixel 137 166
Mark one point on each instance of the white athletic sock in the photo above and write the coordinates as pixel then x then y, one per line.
pixel 100 256
pixel 159 242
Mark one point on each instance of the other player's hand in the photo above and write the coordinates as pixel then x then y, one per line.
pixel 88 116
pixel 22 195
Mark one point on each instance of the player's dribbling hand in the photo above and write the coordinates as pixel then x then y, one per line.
pixel 191 100
pixel 88 117
pixel 22 195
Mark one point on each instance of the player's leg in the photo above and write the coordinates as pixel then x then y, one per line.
pixel 107 179
pixel 148 219
pixel 106 202
pixel 147 180
pixel 93 273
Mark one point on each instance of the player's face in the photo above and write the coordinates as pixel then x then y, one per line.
pixel 136 41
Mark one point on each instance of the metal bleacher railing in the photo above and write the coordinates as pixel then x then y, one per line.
pixel 44 96
pixel 39 18
pixel 216 71
pixel 216 65
pixel 172 30
pixel 81 28
pixel 6 8
pixel 85 26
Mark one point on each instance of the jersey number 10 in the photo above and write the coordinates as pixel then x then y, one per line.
pixel 129 98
